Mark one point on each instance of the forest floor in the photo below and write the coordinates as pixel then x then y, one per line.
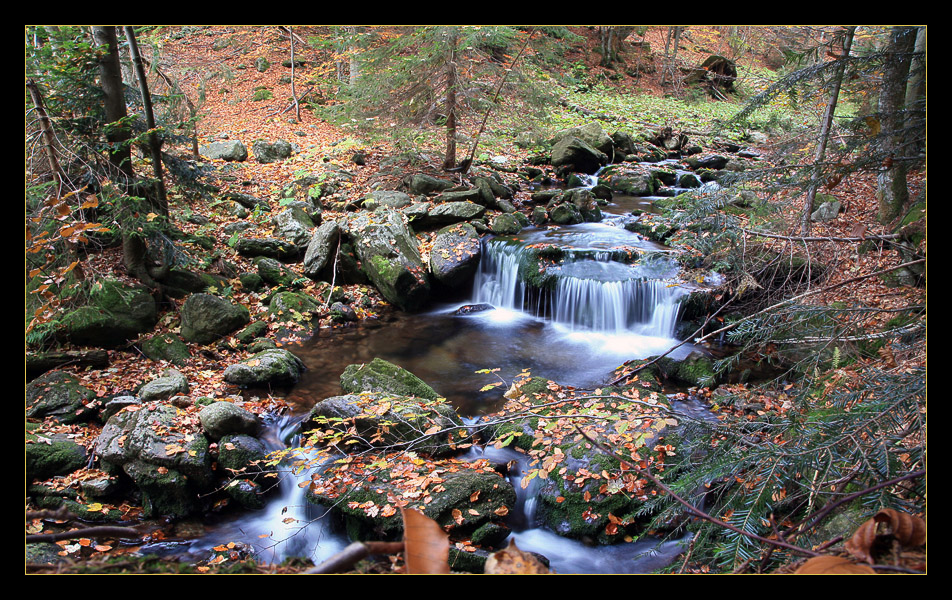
pixel 192 57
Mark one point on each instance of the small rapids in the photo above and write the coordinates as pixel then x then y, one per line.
pixel 610 297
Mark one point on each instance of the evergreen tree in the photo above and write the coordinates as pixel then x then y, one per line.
pixel 424 76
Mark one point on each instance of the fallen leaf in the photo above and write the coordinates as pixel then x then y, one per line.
pixel 426 545
pixel 832 565
pixel 513 561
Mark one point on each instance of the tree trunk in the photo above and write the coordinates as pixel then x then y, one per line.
pixel 294 98
pixel 892 191
pixel 161 199
pixel 670 60
pixel 110 73
pixel 817 178
pixel 49 138
pixel 610 39
pixel 449 160
pixel 134 248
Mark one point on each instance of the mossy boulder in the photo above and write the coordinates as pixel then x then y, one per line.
pixel 386 421
pixel 166 347
pixel 272 367
pixel 115 313
pixel 48 456
pixel 162 454
pixel 60 396
pixel 273 272
pixel 207 318
pixel 391 259
pixel 381 376
pixel 461 497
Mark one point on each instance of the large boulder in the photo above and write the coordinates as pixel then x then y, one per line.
pixel 170 383
pixel 426 184
pixel 230 150
pixel 223 418
pixel 387 421
pixel 381 376
pixel 440 215
pixel 455 255
pixel 169 463
pixel 115 313
pixel 48 456
pixel 461 497
pixel 319 257
pixel 207 318
pixel 272 367
pixel 390 257
pixel 165 346
pixel 591 133
pixel 295 225
pixel 269 152
pixel 391 198
pixel 271 247
pixel 60 396
pixel 574 155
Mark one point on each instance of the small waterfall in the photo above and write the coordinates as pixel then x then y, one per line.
pixel 594 293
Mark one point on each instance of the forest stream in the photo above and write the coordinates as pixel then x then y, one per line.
pixel 600 313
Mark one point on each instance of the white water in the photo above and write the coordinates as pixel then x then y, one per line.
pixel 593 295
pixel 600 313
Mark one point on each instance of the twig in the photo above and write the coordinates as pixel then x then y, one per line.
pixel 818 516
pixel 690 507
pixel 673 348
pixel 346 558
pixel 482 126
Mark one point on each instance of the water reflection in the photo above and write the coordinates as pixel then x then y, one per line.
pixel 445 350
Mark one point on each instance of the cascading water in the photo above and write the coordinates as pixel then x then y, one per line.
pixel 595 293
pixel 570 303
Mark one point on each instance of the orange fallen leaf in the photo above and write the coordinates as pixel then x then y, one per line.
pixel 833 565
pixel 426 545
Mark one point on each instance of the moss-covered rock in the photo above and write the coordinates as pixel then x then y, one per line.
pixel 381 376
pixel 207 318
pixel 58 395
pixel 276 367
pixel 54 455
pixel 387 421
pixel 391 258
pixel 115 313
pixel 166 346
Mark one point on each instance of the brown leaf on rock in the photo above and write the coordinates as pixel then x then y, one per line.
pixel 513 561
pixel 886 525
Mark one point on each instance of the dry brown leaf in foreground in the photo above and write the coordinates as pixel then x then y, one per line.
pixel 426 545
pixel 513 561
pixel 878 532
pixel 833 565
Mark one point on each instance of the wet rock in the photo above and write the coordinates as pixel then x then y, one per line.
pixel 455 255
pixel 226 418
pixel 273 367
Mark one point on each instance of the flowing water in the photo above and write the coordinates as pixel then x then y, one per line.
pixel 614 298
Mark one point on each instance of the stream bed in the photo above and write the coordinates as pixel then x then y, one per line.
pixel 604 308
